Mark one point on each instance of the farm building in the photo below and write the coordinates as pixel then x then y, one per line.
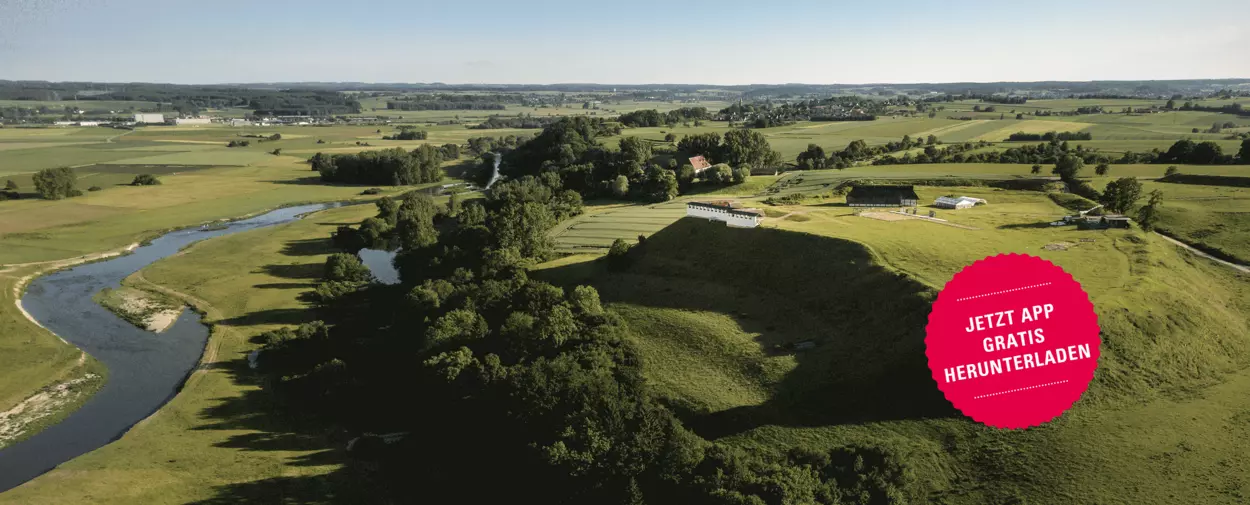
pixel 240 122
pixel 958 202
pixel 1102 222
pixel 192 121
pixel 882 196
pixel 700 164
pixel 149 118
pixel 723 211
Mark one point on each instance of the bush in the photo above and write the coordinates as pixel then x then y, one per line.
pixel 239 143
pixel 371 191
pixel 56 183
pixel 1172 170
pixel 94 188
pixel 8 195
pixel 145 180
pixel 618 255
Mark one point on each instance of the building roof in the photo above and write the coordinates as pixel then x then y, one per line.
pixel 956 200
pixel 700 163
pixel 726 206
pixel 902 192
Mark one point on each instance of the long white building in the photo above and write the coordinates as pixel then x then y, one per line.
pixel 150 118
pixel 729 215
pixel 192 121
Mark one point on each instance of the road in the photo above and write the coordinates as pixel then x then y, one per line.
pixel 1242 268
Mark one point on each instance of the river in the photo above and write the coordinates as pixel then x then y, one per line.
pixel 145 370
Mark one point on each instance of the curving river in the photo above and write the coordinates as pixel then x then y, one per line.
pixel 145 369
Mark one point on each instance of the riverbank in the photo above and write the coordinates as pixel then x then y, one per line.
pixel 245 284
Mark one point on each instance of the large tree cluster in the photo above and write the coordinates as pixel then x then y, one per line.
pixel 571 149
pixel 393 167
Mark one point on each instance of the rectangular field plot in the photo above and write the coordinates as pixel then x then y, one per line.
pixel 595 230
pixel 217 158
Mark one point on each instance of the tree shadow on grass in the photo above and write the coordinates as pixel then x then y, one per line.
pixel 868 363
pixel 309 247
pixel 256 420
pixel 309 271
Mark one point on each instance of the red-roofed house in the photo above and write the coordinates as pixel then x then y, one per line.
pixel 700 164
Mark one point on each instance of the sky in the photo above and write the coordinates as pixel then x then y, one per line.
pixel 633 42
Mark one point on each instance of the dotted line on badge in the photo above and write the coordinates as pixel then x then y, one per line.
pixel 1021 389
pixel 1001 292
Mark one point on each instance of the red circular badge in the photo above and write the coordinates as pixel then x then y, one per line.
pixel 1012 341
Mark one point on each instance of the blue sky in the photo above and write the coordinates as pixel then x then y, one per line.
pixel 636 41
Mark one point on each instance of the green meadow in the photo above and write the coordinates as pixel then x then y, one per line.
pixel 714 311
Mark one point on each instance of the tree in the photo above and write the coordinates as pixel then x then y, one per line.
pixel 12 186
pixel 618 255
pixel 707 145
pixel 1172 170
pixel 749 147
pixel 1206 153
pixel 344 267
pixel 56 183
pixel 685 177
pixel 719 173
pixel 741 174
pixel 145 180
pixel 1148 215
pixel 1243 155
pixel 276 152
pixel 1102 169
pixel 660 185
pixel 812 159
pixel 671 137
pixel 1068 167
pixel 931 140
pixel 1121 194
pixel 620 186
pixel 1037 169
pixel 1171 104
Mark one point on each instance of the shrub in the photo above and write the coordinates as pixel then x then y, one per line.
pixel 94 188
pixel 618 255
pixel 1172 170
pixel 145 180
pixel 371 191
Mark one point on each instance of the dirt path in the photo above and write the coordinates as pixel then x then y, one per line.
pixel 1242 268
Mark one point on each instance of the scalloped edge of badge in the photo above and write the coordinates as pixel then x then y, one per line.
pixel 929 358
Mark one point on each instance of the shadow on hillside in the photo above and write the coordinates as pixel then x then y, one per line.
pixel 868 364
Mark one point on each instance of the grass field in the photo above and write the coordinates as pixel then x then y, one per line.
pixel 219 441
pixel 1168 392
pixel 113 218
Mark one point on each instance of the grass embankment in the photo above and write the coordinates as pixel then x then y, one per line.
pixel 1154 427
pixel 220 440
